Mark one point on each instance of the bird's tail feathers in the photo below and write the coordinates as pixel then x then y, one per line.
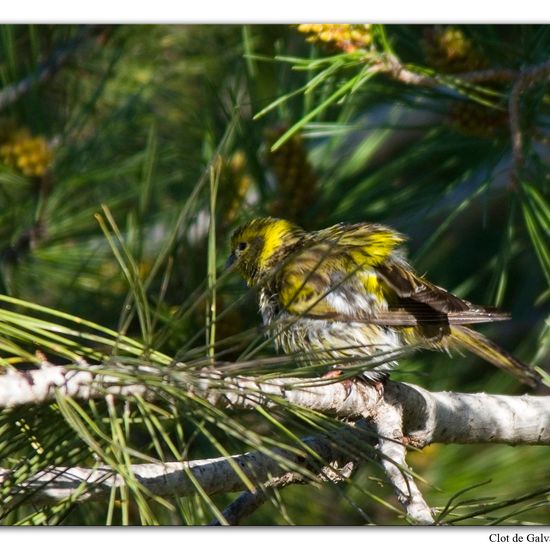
pixel 486 349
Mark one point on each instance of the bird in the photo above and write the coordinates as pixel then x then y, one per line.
pixel 347 292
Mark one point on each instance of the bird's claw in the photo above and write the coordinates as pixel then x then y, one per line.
pixel 346 382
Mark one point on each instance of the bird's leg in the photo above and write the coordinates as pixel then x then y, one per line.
pixel 346 382
pixel 378 385
pixel 332 373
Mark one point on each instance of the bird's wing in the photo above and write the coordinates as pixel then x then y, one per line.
pixel 395 316
pixel 344 271
pixel 374 247
pixel 367 244
pixel 323 278
pixel 416 291
pixel 416 301
pixel 305 283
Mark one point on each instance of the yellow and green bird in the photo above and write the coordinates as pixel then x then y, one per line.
pixel 347 292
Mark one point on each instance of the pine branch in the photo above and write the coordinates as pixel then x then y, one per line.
pixel 428 417
pixel 394 68
pixel 388 422
pixel 403 414
pixel 521 81
pixel 214 475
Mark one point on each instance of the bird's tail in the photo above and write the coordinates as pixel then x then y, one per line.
pixel 483 347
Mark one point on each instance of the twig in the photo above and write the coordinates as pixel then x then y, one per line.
pixel 488 75
pixel 522 80
pixel 388 422
pixel 10 94
pixel 244 505
pixel 249 501
pixel 393 67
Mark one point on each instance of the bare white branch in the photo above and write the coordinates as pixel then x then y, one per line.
pixel 404 413
pixel 428 417
pixel 41 385
pixel 388 422
pixel 450 417
pixel 214 475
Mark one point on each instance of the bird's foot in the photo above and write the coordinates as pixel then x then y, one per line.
pixel 346 382
pixel 378 385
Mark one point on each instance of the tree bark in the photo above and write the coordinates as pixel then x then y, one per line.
pixel 428 417
pixel 401 414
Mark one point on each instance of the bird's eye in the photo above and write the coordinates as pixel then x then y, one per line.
pixel 241 246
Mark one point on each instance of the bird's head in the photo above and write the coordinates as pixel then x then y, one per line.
pixel 260 244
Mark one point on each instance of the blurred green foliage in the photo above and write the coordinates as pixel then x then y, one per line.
pixel 150 128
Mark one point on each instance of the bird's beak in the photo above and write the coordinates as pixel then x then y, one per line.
pixel 230 261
